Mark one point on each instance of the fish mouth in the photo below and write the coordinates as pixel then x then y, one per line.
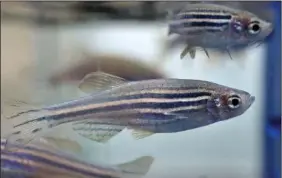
pixel 252 99
pixel 269 31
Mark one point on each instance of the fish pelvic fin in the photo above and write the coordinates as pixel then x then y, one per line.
pixel 99 81
pixel 100 133
pixel 140 166
pixel 188 49
pixel 23 122
pixel 140 134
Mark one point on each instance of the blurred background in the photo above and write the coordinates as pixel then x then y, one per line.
pixel 48 47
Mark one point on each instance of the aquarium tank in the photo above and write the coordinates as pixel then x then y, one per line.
pixel 194 85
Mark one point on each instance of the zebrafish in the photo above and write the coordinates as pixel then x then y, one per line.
pixel 146 107
pixel 216 26
pixel 38 160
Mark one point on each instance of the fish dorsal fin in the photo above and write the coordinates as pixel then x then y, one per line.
pixel 140 134
pixel 101 133
pixel 98 81
pixel 140 165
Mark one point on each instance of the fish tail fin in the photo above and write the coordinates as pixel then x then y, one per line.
pixel 169 14
pixel 22 122
pixel 169 17
pixel 139 166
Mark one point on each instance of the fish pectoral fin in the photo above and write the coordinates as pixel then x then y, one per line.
pixel 193 53
pixel 184 52
pixel 140 165
pixel 228 52
pixel 60 144
pixel 205 50
pixel 190 50
pixel 98 81
pixel 101 133
pixel 140 134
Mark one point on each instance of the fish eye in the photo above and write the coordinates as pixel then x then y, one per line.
pixel 234 102
pixel 254 28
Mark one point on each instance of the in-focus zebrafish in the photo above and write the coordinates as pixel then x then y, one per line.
pixel 216 26
pixel 147 107
pixel 40 161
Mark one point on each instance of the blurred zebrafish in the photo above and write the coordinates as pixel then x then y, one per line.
pixel 131 70
pixel 213 26
pixel 38 160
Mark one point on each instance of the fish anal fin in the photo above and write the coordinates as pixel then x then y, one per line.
pixel 98 81
pixel 140 165
pixel 101 133
pixel 140 134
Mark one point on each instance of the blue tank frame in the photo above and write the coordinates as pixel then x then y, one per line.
pixel 272 117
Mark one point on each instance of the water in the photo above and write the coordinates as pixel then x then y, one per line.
pixel 229 149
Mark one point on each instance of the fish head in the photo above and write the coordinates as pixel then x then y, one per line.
pixel 250 29
pixel 228 103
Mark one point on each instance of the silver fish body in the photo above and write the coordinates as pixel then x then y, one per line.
pixel 217 26
pixel 157 106
pixel 34 161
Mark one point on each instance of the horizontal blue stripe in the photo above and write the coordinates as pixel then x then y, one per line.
pixel 54 164
pixel 204 16
pixel 159 105
pixel 14 165
pixel 109 97
pixel 205 24
pixel 151 95
pixel 132 106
